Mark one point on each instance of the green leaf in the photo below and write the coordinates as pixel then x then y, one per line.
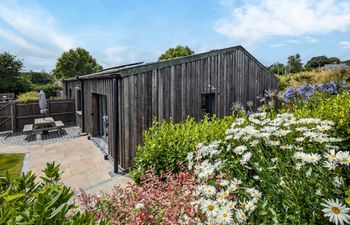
pixel 14 197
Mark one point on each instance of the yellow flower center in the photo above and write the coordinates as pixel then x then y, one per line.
pixel 209 190
pixel 224 215
pixel 210 207
pixel 335 210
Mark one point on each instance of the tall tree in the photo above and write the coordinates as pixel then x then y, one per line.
pixel 178 51
pixel 277 68
pixel 10 68
pixel 75 62
pixel 294 63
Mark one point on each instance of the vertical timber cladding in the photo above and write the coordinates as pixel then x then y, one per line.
pixel 174 91
pixel 93 87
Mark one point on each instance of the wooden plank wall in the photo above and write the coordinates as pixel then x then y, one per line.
pixel 20 114
pixel 91 89
pixel 6 116
pixel 58 109
pixel 70 87
pixel 175 92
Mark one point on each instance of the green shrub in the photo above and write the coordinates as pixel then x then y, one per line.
pixel 167 145
pixel 330 107
pixel 23 201
pixel 49 89
pixel 28 96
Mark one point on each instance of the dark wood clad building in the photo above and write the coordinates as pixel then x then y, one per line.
pixel 119 104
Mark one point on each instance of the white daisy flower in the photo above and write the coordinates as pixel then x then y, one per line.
pixel 336 211
pixel 312 158
pixel 209 190
pixel 254 143
pixel 274 142
pixel 329 165
pixel 221 201
pixel 344 158
pixel 299 155
pixel 249 206
pixel 241 216
pixel 298 166
pixel 323 127
pixel 282 133
pixel 224 216
pixel 331 155
pixel 210 208
pixel 231 204
pixel 245 158
pixel 239 150
pixel 232 188
pixel 224 194
pixel 300 139
pixel 224 183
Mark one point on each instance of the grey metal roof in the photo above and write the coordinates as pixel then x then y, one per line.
pixel 124 71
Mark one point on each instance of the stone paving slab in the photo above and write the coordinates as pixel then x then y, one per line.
pixel 82 163
pixel 19 138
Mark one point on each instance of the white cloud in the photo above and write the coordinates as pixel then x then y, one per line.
pixel 26 47
pixel 35 23
pixel 277 45
pixel 119 55
pixel 344 44
pixel 311 40
pixel 257 20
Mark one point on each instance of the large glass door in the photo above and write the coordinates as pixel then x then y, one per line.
pixel 103 117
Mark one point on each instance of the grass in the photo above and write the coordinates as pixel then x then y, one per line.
pixel 12 163
pixel 311 77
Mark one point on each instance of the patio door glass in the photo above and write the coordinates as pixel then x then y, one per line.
pixel 103 117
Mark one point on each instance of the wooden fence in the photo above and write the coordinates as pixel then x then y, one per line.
pixel 14 115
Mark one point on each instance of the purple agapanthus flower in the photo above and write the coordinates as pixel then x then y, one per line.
pixel 289 95
pixel 305 90
pixel 330 87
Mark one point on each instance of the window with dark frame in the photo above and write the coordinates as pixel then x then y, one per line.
pixel 207 104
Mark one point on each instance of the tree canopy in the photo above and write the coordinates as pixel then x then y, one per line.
pixel 75 62
pixel 319 61
pixel 10 68
pixel 178 51
pixel 277 68
pixel 294 63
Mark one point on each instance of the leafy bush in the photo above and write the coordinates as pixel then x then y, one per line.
pixel 335 108
pixel 273 169
pixel 28 96
pixel 156 200
pixel 167 144
pixel 49 89
pixel 23 201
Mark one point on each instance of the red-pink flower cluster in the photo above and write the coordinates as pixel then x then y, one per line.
pixel 157 200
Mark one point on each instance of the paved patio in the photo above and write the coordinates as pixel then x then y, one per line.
pixel 19 138
pixel 82 162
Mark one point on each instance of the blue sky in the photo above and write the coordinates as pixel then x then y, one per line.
pixel 118 32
